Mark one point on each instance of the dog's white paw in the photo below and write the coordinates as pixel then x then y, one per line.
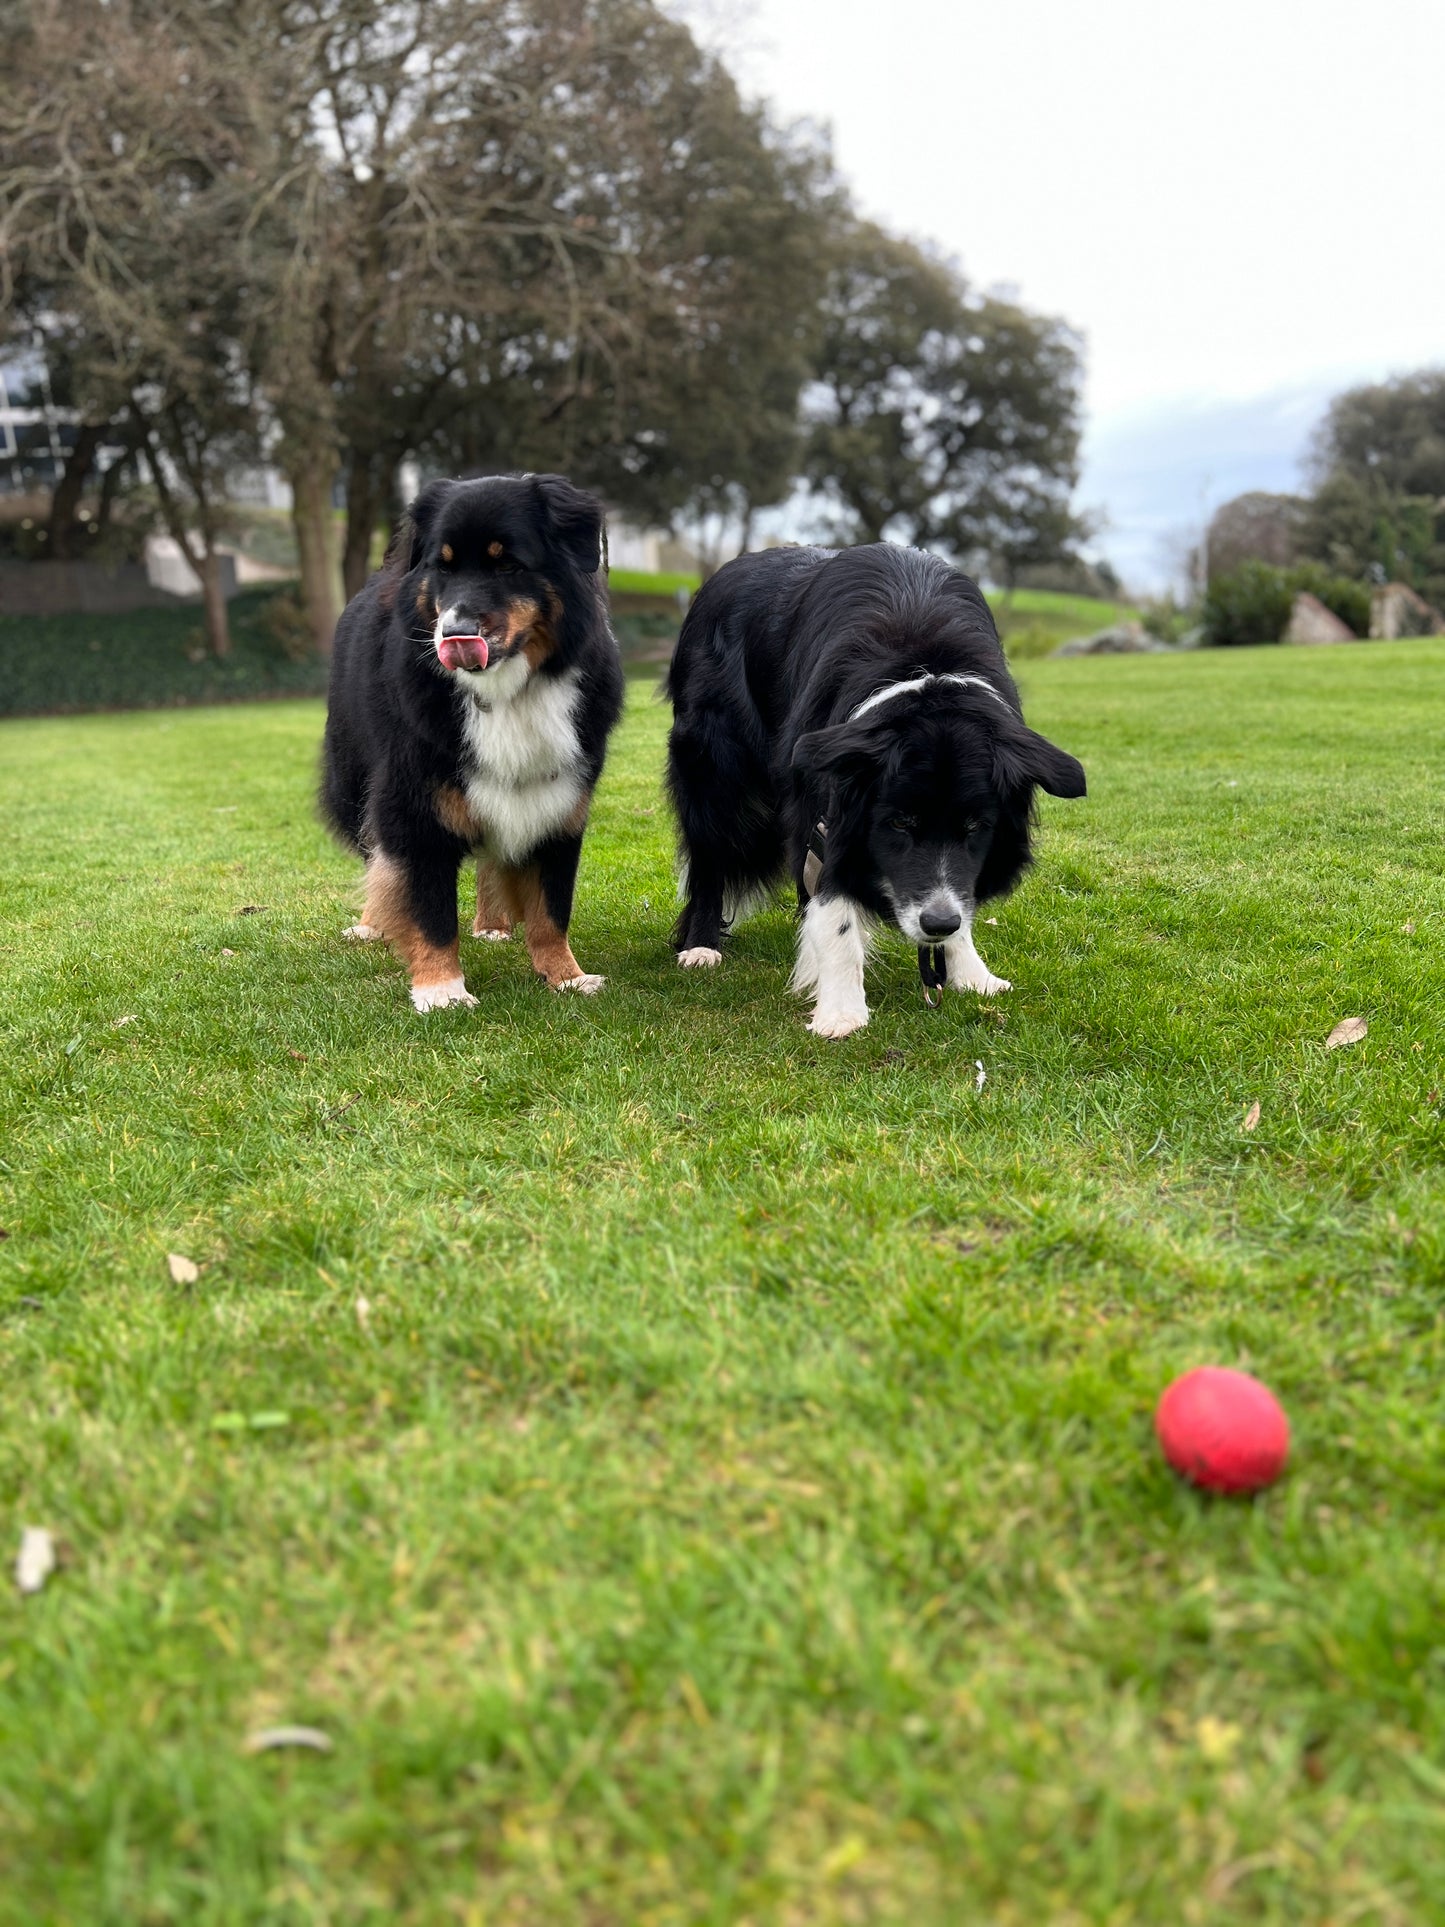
pixel 491 936
pixel 441 996
pixel 983 983
pixel 587 984
pixel 838 1023
pixel 361 932
pixel 699 958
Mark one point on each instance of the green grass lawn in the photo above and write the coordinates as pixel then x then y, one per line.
pixel 695 1472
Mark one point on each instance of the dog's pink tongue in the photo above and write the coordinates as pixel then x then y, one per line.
pixel 463 652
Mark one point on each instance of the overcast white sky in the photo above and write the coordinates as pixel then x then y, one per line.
pixel 1241 205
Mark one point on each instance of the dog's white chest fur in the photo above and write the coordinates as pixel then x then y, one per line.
pixel 525 776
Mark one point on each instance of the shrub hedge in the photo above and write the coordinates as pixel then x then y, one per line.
pixel 1251 604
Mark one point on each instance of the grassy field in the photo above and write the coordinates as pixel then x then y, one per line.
pixel 694 1472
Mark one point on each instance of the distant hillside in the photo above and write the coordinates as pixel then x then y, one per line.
pixel 1033 622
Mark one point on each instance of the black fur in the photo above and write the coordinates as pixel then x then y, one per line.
pixel 778 650
pixel 395 734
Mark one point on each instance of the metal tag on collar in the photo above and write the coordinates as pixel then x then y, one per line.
pixel 933 969
pixel 813 861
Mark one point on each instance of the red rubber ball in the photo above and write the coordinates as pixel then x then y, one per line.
pixel 1223 1430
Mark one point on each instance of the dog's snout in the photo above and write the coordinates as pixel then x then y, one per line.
pixel 939 918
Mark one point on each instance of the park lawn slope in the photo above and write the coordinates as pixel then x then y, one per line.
pixel 695 1472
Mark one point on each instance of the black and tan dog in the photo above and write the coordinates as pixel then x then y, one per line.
pixel 474 684
pixel 848 716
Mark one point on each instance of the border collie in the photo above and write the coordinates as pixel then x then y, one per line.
pixel 474 684
pixel 849 714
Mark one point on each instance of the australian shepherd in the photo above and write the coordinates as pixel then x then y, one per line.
pixel 847 715
pixel 474 684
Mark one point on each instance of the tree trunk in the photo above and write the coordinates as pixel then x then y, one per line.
pixel 218 624
pixel 368 489
pixel 204 561
pixel 68 491
pixel 109 488
pixel 311 517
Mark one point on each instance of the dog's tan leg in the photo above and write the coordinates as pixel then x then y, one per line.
pixel 494 920
pixel 435 969
pixel 370 928
pixel 547 943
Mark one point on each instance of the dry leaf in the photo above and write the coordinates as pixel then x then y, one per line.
pixel 982 1078
pixel 1408 928
pixel 227 953
pixel 1349 1030
pixel 1218 1739
pixel 121 1022
pixel 37 1558
pixel 251 910
pixel 299 1055
pixel 1251 1116
pixel 182 1270
pixel 992 920
pixel 363 1313
pixel 268 1738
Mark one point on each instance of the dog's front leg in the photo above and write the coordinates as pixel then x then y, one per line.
pixel 966 969
pixel 832 949
pixel 540 899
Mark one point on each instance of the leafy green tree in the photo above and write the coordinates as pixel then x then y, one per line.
pixel 1378 508
pixel 938 416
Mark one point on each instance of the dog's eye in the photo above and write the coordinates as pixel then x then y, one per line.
pixel 904 825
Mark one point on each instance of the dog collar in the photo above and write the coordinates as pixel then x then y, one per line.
pixel 892 689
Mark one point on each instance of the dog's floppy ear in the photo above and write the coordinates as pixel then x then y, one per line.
pixel 1022 757
pixel 844 750
pixel 575 518
pixel 408 545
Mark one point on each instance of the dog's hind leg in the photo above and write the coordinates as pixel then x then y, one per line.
pixel 698 935
pixel 493 919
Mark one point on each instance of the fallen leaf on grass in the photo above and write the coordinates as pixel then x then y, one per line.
pixel 299 1055
pixel 184 1271
pixel 1349 1030
pixel 1251 1116
pixel 1408 928
pixel 227 953
pixel 982 1078
pixel 37 1558
pixel 992 920
pixel 121 1022
pixel 251 910
pixel 1218 1739
pixel 363 1313
pixel 268 1738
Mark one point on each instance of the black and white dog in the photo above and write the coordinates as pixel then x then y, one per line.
pixel 849 715
pixel 474 684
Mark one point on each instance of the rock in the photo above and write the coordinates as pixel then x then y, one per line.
pixel 1396 610
pixel 1123 639
pixel 1311 621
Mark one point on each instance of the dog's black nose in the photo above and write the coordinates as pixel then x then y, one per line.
pixel 938 920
